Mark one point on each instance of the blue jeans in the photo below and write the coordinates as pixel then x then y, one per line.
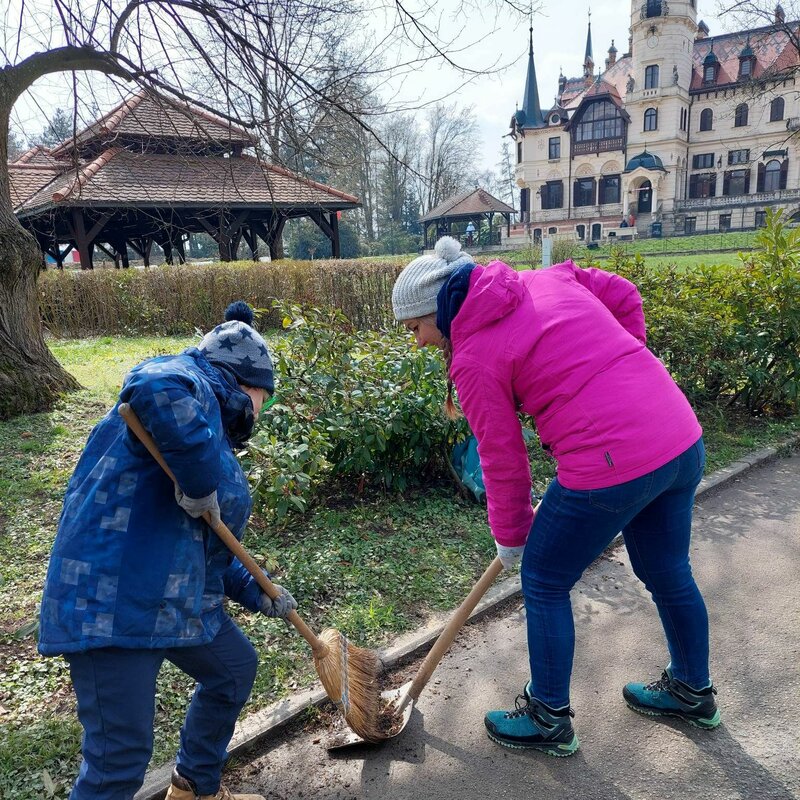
pixel 570 531
pixel 116 691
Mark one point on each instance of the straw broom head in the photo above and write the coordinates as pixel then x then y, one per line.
pixel 349 675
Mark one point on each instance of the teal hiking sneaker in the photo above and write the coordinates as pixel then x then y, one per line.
pixel 670 697
pixel 533 725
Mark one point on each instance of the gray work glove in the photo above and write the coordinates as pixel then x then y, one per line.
pixel 197 506
pixel 509 556
pixel 278 608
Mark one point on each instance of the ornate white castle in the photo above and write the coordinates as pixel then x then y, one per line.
pixel 683 133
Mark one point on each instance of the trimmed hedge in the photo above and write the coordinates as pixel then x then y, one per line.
pixel 177 300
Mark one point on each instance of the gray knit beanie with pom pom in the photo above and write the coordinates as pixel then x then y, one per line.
pixel 417 287
pixel 237 346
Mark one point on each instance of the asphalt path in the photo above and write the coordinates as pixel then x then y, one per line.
pixel 746 557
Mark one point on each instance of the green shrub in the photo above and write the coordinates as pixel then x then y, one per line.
pixel 355 410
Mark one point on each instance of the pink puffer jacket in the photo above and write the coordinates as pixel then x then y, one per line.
pixel 567 346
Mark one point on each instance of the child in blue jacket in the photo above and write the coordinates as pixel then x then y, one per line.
pixel 137 577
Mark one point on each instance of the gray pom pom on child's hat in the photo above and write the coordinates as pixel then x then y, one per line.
pixel 417 287
pixel 238 347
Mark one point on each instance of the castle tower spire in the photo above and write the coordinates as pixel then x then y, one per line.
pixel 588 58
pixel 530 101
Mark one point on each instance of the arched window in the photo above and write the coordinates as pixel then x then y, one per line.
pixel 776 109
pixel 601 120
pixel 651 119
pixel 706 119
pixel 651 77
pixel 772 176
pixel 740 115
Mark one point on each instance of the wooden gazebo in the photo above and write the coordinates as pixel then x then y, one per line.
pixel 154 171
pixel 475 205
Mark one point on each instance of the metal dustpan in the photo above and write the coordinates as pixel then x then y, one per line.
pixel 399 703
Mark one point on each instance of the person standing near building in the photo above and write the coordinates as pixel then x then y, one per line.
pixel 568 347
pixel 136 577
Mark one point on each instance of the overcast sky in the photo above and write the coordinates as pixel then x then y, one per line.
pixel 559 40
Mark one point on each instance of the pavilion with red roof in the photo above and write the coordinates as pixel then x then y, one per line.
pixel 155 170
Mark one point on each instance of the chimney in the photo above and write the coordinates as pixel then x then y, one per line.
pixel 702 31
pixel 780 15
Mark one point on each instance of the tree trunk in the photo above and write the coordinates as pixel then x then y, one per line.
pixel 30 377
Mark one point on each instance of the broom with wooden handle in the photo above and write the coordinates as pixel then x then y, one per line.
pixel 348 673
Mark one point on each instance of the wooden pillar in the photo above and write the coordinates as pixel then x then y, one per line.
pixel 84 246
pixel 177 246
pixel 143 245
pixel 336 246
pixel 236 240
pixel 251 238
pixel 491 228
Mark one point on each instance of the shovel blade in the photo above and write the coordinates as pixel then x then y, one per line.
pixel 393 698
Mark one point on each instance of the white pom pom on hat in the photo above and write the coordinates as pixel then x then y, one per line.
pixel 417 287
pixel 448 249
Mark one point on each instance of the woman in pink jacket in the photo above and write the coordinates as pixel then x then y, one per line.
pixel 567 346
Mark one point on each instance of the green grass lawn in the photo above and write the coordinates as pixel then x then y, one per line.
pixel 373 567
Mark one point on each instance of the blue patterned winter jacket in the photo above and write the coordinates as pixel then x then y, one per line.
pixel 129 567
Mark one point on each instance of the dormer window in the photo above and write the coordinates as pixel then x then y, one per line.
pixel 745 69
pixel 710 67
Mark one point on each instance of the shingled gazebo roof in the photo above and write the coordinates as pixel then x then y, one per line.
pixel 468 204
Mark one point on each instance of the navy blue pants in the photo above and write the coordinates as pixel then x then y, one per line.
pixel 116 691
pixel 570 531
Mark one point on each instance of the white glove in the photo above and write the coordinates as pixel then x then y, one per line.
pixel 509 556
pixel 280 606
pixel 197 506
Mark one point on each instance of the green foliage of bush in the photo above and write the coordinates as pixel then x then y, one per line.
pixel 358 409
pixel 729 334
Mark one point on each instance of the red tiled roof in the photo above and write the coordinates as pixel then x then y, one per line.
pixel 29 178
pixel 146 115
pixel 772 47
pixel 474 201
pixel 120 177
pixel 36 155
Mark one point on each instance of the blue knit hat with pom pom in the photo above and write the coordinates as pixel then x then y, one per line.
pixel 238 347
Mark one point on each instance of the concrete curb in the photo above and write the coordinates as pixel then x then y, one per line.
pixel 260 725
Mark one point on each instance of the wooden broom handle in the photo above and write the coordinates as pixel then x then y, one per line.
pixel 442 644
pixel 221 529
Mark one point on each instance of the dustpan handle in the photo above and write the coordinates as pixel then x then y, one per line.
pixel 221 529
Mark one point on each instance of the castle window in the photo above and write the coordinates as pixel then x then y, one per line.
pixel 761 219
pixel 709 73
pixel 609 189
pixel 552 194
pixel 745 69
pixel 703 161
pixel 738 157
pixel 772 176
pixel 554 148
pixel 740 115
pixel 706 119
pixel 702 184
pixel 690 225
pixel 651 119
pixel 724 223
pixel 737 181
pixel 600 121
pixel 584 192
pixel 519 152
pixel 580 230
pixel 776 110
pixel 651 77
pixel 652 8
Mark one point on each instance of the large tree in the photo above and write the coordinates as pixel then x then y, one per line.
pixel 234 58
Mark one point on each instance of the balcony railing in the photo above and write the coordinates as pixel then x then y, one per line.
pixel 597 146
pixel 654 8
pixel 756 198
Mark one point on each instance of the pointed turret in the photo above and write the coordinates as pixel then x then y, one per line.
pixel 530 102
